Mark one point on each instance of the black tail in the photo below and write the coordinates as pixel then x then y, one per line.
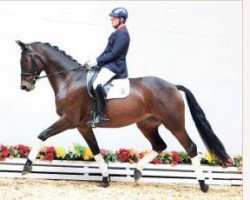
pixel 209 138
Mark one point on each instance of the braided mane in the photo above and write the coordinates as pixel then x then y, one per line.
pixel 61 51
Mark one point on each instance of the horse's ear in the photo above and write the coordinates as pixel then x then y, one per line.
pixel 21 44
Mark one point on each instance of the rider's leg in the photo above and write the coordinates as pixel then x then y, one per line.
pixel 100 101
pixel 103 77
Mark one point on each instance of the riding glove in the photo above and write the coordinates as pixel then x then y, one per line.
pixel 91 63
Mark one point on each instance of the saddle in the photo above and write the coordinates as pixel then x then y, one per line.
pixel 115 88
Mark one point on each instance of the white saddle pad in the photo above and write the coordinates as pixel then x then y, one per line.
pixel 119 88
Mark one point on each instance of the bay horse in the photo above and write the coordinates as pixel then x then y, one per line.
pixel 152 101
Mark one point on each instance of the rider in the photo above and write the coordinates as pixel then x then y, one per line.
pixel 112 62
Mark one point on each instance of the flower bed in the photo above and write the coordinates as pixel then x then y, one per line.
pixel 78 152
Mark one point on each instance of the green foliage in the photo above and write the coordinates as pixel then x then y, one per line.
pixel 185 158
pixel 238 162
pixel 111 157
pixel 75 153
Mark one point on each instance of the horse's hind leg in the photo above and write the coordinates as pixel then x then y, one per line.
pixel 170 112
pixel 177 127
pixel 149 128
pixel 191 149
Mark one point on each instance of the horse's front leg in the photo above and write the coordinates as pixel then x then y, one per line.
pixel 59 126
pixel 89 137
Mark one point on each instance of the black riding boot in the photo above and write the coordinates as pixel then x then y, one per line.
pixel 100 117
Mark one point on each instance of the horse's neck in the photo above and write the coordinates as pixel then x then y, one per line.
pixel 64 83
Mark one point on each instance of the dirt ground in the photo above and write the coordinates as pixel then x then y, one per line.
pixel 50 189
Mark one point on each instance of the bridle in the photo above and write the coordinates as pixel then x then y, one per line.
pixel 35 73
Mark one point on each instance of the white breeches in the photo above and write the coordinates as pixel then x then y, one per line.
pixel 103 77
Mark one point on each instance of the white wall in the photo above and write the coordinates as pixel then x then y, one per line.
pixel 197 44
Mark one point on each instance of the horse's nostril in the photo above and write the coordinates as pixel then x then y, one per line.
pixel 23 87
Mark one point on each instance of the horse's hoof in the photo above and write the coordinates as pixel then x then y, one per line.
pixel 26 169
pixel 105 182
pixel 203 186
pixel 137 175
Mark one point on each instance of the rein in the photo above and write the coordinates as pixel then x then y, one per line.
pixel 61 72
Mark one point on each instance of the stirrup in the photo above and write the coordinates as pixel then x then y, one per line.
pixel 97 121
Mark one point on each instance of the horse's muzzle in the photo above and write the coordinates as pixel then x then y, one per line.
pixel 27 86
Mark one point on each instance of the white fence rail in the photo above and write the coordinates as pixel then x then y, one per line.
pixel 82 170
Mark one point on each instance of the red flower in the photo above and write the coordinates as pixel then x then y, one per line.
pixel 173 163
pixel 51 150
pixel 141 155
pixel 157 161
pixel 49 156
pixel 5 153
pixel 22 150
pixel 176 158
pixel 104 152
pixel 50 153
pixel 123 155
pixel 2 148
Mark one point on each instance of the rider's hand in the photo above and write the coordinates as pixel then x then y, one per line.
pixel 91 63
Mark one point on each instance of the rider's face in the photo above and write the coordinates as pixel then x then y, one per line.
pixel 115 22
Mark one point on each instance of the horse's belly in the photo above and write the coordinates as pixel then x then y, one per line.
pixel 124 121
pixel 120 114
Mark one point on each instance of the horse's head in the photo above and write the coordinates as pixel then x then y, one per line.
pixel 30 66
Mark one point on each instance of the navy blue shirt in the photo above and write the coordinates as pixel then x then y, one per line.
pixel 114 55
